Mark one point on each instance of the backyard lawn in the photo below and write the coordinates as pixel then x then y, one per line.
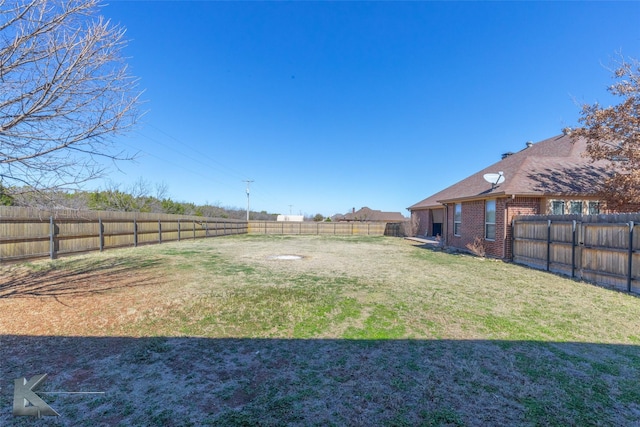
pixel 314 330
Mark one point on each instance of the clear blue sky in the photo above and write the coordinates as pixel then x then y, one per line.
pixel 333 105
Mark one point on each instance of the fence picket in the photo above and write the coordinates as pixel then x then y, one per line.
pixel 67 232
pixel 602 247
pixel 29 233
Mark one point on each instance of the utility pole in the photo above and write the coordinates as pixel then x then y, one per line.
pixel 248 181
pixel 290 206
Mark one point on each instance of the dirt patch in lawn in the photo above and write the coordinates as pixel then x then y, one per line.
pixel 78 298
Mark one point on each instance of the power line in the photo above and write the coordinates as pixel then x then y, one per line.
pixel 184 144
pixel 224 169
pixel 172 163
pixel 200 153
pixel 198 160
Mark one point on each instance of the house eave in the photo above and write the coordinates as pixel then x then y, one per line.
pixel 585 196
pixel 495 195
pixel 426 207
pixel 441 203
pixel 537 194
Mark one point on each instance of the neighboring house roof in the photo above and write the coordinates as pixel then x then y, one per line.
pixel 366 214
pixel 553 167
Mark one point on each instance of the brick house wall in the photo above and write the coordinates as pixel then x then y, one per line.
pixel 473 223
pixel 429 221
pixel 519 206
pixel 423 219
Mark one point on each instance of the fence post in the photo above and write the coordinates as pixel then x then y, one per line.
pixel 573 249
pixel 194 229
pixel 548 244
pixel 630 262
pixel 159 231
pixel 513 239
pixel 206 228
pixel 178 230
pixel 101 231
pixel 135 233
pixel 52 243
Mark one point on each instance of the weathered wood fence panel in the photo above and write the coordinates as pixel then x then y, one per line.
pixel 318 228
pixel 603 249
pixel 27 233
pixel 530 243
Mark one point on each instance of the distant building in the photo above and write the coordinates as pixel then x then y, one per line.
pixel 367 214
pixel 291 218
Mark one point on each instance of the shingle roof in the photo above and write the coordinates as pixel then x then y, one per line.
pixel 553 167
pixel 367 214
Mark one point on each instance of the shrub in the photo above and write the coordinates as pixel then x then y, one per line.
pixel 477 247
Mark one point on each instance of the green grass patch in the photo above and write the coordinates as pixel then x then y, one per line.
pixel 382 323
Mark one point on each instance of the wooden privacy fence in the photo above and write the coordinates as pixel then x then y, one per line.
pixel 319 228
pixel 598 248
pixel 26 233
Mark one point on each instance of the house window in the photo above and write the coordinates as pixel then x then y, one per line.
pixel 594 208
pixel 557 207
pixel 490 220
pixel 457 218
pixel 575 208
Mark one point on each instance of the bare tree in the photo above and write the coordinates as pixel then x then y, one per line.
pixel 613 133
pixel 65 91
pixel 136 197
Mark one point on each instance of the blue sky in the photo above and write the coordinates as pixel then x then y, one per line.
pixel 328 106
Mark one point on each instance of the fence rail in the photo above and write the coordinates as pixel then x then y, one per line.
pixel 603 249
pixel 27 233
pixel 318 228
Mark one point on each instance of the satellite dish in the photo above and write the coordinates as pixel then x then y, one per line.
pixel 494 178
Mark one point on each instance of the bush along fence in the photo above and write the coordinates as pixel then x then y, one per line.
pixel 318 228
pixel 28 233
pixel 603 249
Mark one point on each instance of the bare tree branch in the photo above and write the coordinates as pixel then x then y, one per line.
pixel 613 133
pixel 65 92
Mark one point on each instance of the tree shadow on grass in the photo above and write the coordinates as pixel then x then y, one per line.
pixel 77 277
pixel 272 382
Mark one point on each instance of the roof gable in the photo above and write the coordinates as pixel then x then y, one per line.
pixel 555 166
pixel 367 214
